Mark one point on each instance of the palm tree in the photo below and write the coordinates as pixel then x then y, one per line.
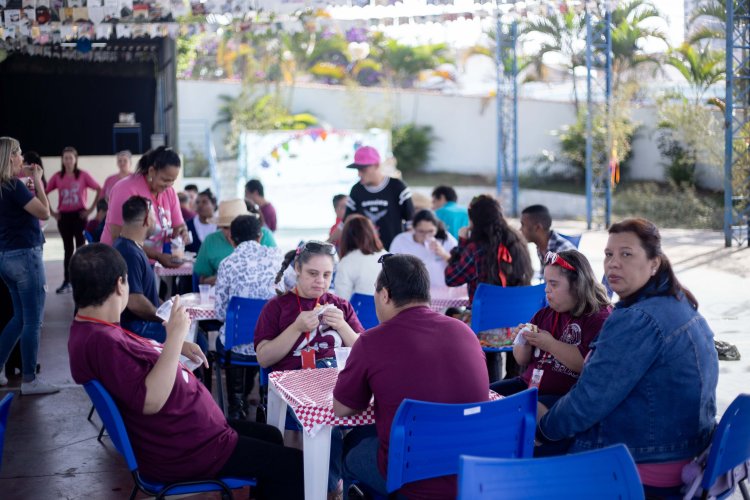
pixel 560 33
pixel 711 19
pixel 701 67
pixel 629 30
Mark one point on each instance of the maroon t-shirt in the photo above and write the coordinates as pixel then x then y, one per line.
pixel 557 378
pixel 280 312
pixel 419 354
pixel 189 438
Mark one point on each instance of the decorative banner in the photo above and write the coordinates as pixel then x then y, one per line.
pixel 308 170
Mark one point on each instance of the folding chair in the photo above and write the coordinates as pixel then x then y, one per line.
pixel 730 451
pixel 364 306
pixel 110 415
pixel 427 439
pixel 4 410
pixel 605 473
pixel 239 328
pixel 575 239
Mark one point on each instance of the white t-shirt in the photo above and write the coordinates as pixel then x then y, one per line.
pixel 404 243
pixel 203 230
pixel 357 273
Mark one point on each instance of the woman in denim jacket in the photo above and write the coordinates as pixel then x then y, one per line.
pixel 650 381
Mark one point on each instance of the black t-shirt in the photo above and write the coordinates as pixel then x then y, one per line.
pixel 141 277
pixel 18 228
pixel 388 206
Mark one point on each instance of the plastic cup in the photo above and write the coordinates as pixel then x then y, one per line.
pixel 342 353
pixel 205 291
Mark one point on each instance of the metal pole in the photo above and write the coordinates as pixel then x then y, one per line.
pixel 500 98
pixel 514 35
pixel 608 97
pixel 728 125
pixel 589 115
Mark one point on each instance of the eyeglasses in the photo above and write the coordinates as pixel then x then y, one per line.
pixel 314 246
pixel 381 261
pixel 553 258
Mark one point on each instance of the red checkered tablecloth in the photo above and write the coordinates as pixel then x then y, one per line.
pixel 310 394
pixel 440 304
pixel 186 269
pixel 195 309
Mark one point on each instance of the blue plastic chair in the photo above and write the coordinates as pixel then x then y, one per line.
pixel 89 237
pixel 605 473
pixel 239 328
pixel 730 446
pixel 364 306
pixel 427 439
pixel 575 239
pixel 4 410
pixel 110 415
pixel 498 307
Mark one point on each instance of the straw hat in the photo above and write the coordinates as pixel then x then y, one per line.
pixel 230 210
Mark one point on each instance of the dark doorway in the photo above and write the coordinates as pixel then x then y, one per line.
pixel 48 103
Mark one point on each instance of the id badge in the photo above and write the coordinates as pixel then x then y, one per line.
pixel 308 358
pixel 536 378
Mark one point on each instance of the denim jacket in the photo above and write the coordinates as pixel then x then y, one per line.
pixel 650 383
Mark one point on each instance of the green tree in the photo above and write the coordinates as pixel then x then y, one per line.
pixel 631 27
pixel 561 34
pixel 708 22
pixel 701 67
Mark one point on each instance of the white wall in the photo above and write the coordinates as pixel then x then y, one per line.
pixel 465 125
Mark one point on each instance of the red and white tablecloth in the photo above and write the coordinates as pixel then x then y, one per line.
pixel 441 304
pixel 310 394
pixel 195 309
pixel 186 269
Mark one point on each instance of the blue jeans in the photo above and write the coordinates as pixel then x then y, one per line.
pixel 148 329
pixel 23 272
pixel 360 460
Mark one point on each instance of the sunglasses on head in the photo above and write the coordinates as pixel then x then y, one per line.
pixel 314 246
pixel 552 259
pixel 381 261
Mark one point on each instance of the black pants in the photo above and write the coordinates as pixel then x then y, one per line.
pixel 261 454
pixel 71 227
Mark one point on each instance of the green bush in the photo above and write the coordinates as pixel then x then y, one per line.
pixel 412 145
pixel 669 205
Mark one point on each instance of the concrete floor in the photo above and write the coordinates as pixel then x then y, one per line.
pixel 51 451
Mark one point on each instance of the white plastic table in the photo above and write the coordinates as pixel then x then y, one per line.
pixel 310 395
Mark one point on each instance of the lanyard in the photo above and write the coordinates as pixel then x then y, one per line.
pixel 130 334
pixel 299 304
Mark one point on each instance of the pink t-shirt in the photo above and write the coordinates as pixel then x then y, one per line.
pixel 165 205
pixel 73 192
pixel 280 312
pixel 557 378
pixel 109 183
pixel 189 438
pixel 419 354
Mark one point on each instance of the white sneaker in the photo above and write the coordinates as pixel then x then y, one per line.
pixel 37 386
pixel 3 378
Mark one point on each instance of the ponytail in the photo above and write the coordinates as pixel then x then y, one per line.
pixel 159 158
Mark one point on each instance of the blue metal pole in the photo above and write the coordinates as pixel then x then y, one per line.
pixel 589 115
pixel 499 101
pixel 514 35
pixel 608 97
pixel 728 126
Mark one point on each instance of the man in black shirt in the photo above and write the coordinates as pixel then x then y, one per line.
pixel 382 199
